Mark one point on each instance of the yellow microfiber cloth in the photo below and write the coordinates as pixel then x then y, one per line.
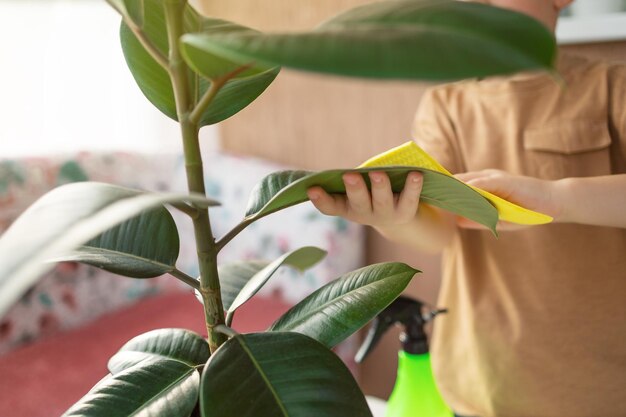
pixel 410 154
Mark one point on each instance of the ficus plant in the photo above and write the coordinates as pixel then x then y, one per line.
pixel 199 71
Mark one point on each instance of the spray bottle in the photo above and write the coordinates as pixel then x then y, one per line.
pixel 415 393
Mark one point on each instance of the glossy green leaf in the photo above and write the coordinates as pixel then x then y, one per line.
pixel 145 246
pixel 154 81
pixel 234 276
pixel 62 220
pixel 341 307
pixel 235 96
pixel 135 10
pixel 278 374
pixel 129 9
pixel 409 39
pixel 287 188
pixel 267 196
pixel 162 387
pixel 213 66
pixel 301 259
pixel 174 344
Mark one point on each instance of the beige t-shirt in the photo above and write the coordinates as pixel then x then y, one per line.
pixel 537 318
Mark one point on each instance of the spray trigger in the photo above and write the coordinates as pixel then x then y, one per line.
pixel 407 312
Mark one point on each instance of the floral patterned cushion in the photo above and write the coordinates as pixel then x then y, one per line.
pixel 72 294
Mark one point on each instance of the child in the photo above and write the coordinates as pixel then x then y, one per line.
pixel 537 320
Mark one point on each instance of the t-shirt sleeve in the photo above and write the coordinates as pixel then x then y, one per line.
pixel 434 131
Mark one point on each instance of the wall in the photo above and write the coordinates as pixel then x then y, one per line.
pixel 319 122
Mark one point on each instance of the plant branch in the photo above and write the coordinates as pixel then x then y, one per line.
pixel 229 318
pixel 205 242
pixel 187 209
pixel 205 101
pixel 176 273
pixel 211 93
pixel 154 52
pixel 227 330
pixel 223 241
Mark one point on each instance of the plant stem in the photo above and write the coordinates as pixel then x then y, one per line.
pixel 176 273
pixel 229 318
pixel 141 37
pixel 226 330
pixel 211 92
pixel 205 242
pixel 223 241
pixel 147 44
pixel 207 98
pixel 189 210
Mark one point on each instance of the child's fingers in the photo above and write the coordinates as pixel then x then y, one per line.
pixel 468 176
pixel 409 197
pixel 498 185
pixel 359 199
pixel 382 195
pixel 473 175
pixel 331 205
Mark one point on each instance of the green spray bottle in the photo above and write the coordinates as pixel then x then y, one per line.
pixel 415 393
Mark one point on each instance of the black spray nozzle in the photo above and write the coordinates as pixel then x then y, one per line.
pixel 410 313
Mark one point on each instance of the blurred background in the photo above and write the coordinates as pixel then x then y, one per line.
pixel 65 89
pixel 65 85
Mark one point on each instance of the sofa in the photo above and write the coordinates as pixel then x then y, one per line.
pixel 55 341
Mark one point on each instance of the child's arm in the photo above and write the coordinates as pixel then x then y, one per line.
pixel 394 216
pixel 597 201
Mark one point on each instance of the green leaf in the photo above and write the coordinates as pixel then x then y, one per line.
pixel 213 66
pixel 129 9
pixel 287 188
pixel 409 39
pixel 163 388
pixel 301 259
pixel 278 374
pixel 235 96
pixel 267 196
pixel 154 81
pixel 340 308
pixel 135 10
pixel 62 220
pixel 145 246
pixel 174 344
pixel 234 276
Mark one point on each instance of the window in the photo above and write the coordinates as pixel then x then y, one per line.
pixel 65 87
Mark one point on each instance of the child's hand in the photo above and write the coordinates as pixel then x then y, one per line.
pixel 381 208
pixel 532 193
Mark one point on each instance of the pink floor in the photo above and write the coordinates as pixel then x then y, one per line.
pixel 43 379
